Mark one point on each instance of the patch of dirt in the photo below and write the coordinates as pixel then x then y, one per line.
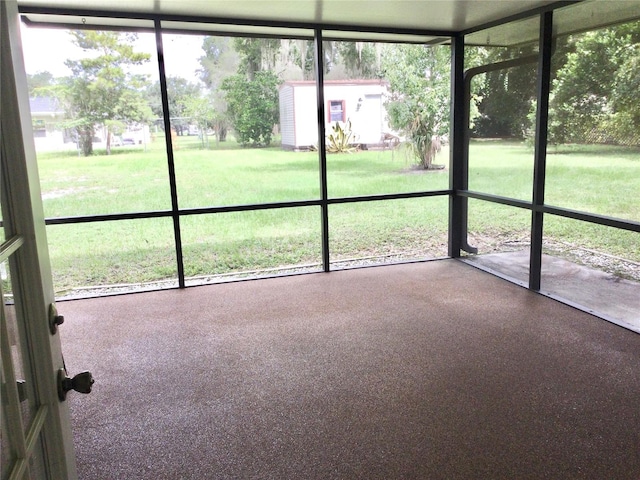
pixel 63 192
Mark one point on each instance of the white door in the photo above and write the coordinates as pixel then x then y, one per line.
pixel 36 440
pixel 372 113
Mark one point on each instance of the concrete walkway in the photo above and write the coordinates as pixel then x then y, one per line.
pixel 593 290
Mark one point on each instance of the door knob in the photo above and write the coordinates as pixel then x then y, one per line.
pixel 81 383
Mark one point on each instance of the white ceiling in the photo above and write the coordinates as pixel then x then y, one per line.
pixel 433 18
pixel 439 15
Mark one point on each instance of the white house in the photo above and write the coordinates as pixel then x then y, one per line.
pixel 46 116
pixel 359 101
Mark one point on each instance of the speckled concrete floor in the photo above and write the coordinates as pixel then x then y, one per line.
pixel 434 370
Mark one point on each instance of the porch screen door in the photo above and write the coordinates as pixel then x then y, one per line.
pixel 35 440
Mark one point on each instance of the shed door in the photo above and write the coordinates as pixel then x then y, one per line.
pixel 373 114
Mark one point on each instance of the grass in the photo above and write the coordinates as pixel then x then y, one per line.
pixel 596 179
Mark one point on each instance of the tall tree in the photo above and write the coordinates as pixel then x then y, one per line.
pixel 219 61
pixel 256 54
pixel 102 90
pixel 419 86
pixel 302 54
pixel 360 59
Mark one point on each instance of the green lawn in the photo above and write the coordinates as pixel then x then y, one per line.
pixel 597 179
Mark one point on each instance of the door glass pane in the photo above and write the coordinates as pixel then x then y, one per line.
pixel 100 258
pixel 502 109
pixel 2 233
pixel 391 231
pixel 593 161
pixel 502 236
pixel 7 455
pixel 92 103
pixel 18 357
pixel 386 117
pixel 228 246
pixel 594 266
pixel 243 119
pixel 36 461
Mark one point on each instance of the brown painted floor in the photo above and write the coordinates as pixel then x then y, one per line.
pixel 432 370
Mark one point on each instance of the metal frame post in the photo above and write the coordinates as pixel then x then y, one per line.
pixel 175 214
pixel 457 204
pixel 322 149
pixel 540 155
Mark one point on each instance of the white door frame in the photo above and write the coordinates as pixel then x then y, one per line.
pixel 23 218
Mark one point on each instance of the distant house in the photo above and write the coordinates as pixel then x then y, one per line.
pixel 49 134
pixel 359 101
pixel 46 116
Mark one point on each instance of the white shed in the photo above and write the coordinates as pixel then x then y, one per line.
pixel 358 101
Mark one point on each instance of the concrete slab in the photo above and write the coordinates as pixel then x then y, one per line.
pixel 593 290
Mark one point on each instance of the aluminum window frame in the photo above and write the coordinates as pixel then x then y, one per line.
pixel 458 192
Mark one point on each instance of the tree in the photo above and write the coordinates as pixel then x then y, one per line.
pixel 256 54
pixel 39 81
pixel 418 106
pixel 179 92
pixel 202 112
pixel 506 95
pixel 219 61
pixel 102 91
pixel 251 96
pixel 360 59
pixel 626 94
pixel 252 106
pixel 596 89
pixel 301 53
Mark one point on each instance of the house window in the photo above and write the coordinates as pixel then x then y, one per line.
pixel 336 111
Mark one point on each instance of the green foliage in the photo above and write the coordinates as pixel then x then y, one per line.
pixel 302 54
pixel 201 111
pixel 597 89
pixel 256 54
pixel 360 59
pixel 219 61
pixel 252 107
pixel 179 91
pixel 418 106
pixel 341 140
pixel 101 90
pixel 38 81
pixel 506 95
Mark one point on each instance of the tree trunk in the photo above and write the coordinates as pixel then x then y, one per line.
pixel 85 138
pixel 108 142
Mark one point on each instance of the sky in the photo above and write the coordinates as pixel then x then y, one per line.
pixel 46 49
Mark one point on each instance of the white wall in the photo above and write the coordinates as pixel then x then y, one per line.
pixel 364 107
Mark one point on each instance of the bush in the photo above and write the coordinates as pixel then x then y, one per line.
pixel 252 107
